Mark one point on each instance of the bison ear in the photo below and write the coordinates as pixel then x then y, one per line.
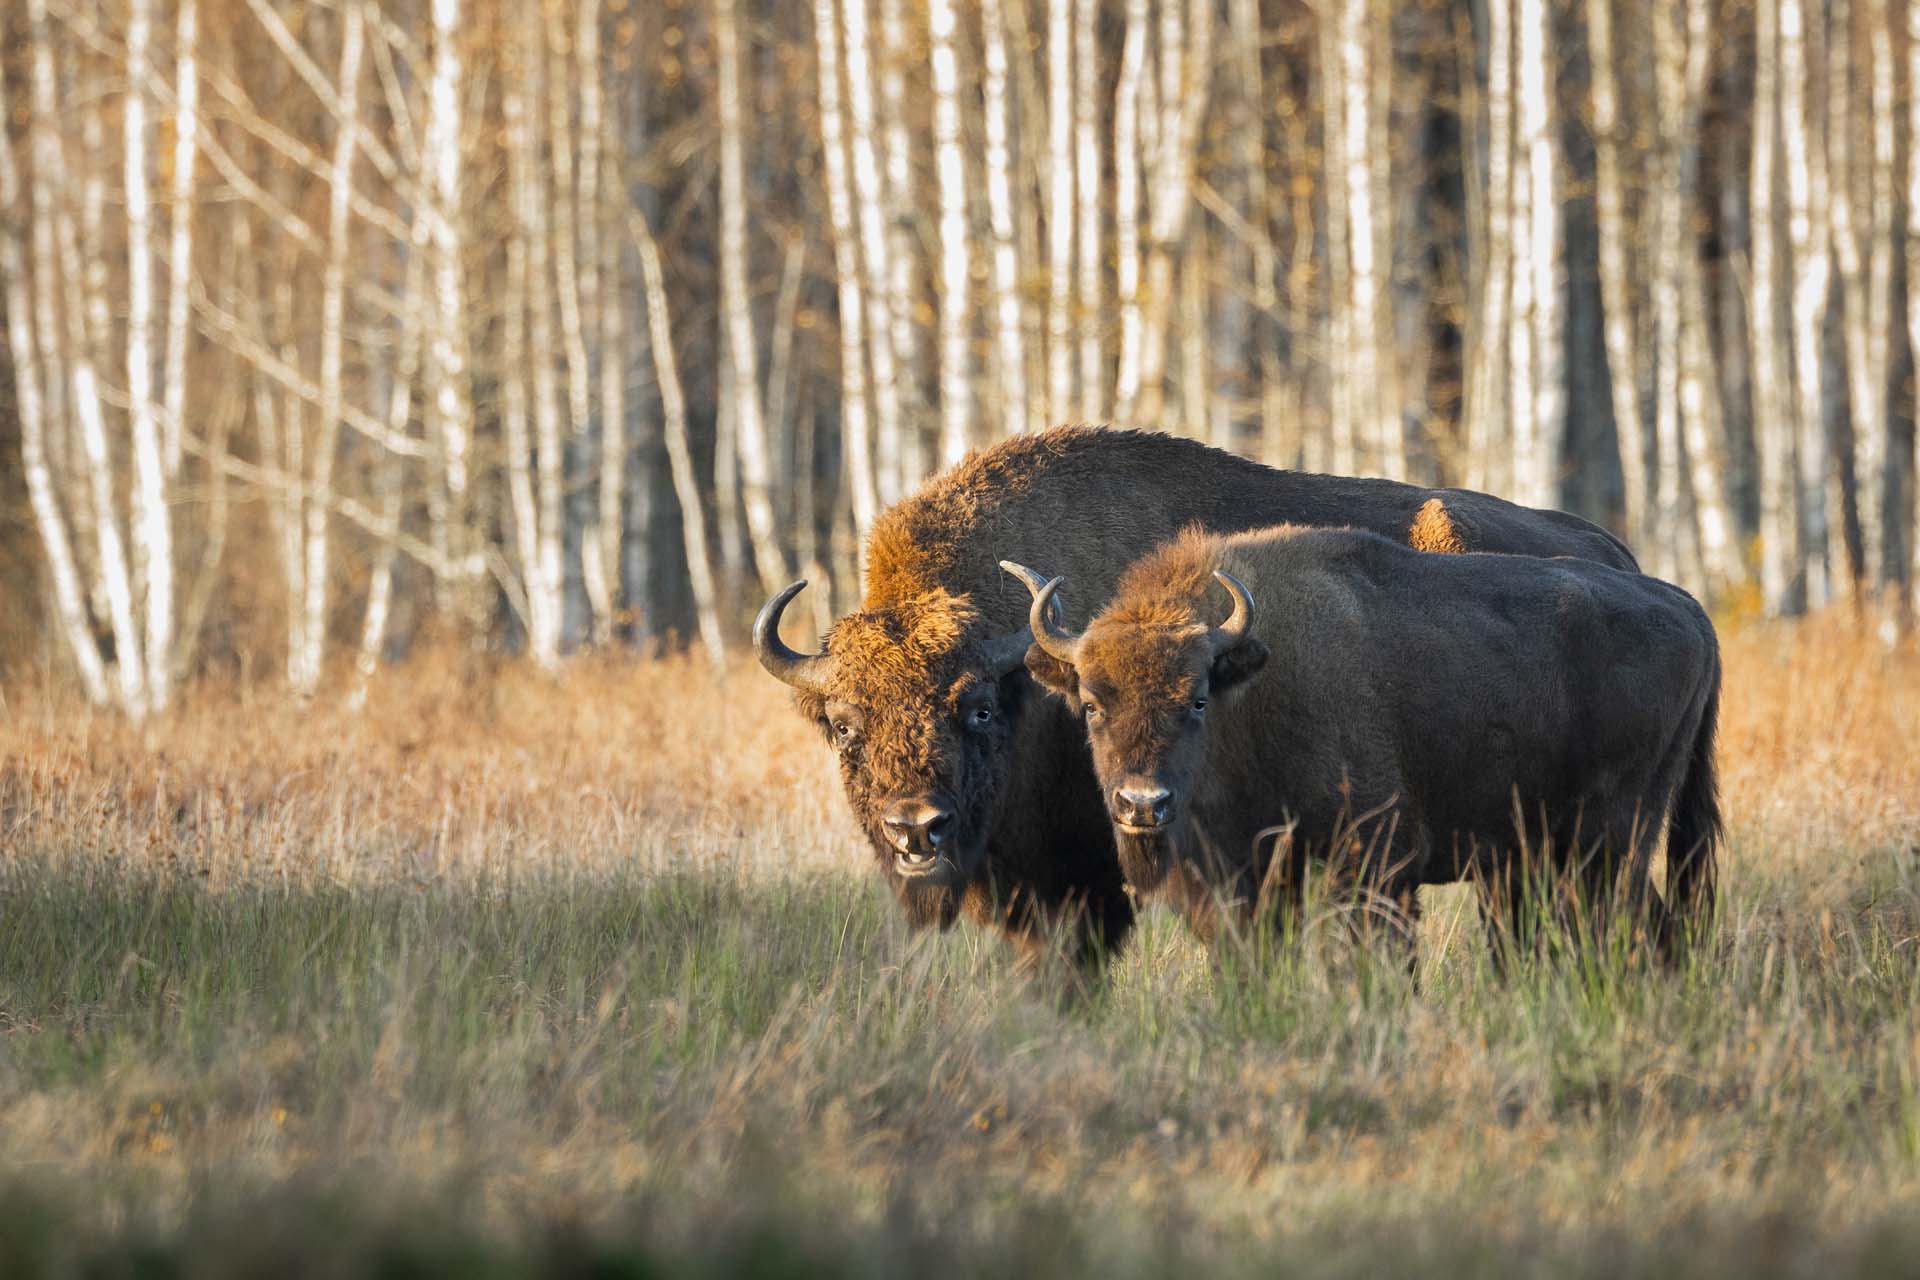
pixel 1232 669
pixel 1057 676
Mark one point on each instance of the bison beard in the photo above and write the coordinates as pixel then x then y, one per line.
pixel 936 643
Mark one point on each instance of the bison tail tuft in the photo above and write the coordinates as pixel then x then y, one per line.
pixel 1695 831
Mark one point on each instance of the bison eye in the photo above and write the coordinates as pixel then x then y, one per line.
pixel 1199 704
pixel 1091 711
pixel 980 717
pixel 842 730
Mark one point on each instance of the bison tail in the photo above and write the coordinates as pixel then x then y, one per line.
pixel 1694 833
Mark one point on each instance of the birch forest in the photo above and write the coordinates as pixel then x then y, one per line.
pixel 335 329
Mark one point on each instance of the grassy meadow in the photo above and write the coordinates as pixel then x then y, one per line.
pixel 512 975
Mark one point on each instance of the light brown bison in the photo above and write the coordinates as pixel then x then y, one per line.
pixel 976 798
pixel 1421 718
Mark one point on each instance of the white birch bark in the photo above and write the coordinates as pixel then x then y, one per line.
pixel 1343 429
pixel 870 196
pixel 1127 115
pixel 1186 77
pixel 1544 418
pixel 1244 16
pixel 901 246
pixel 1616 291
pixel 609 517
pixel 452 403
pixel 1772 407
pixel 855 427
pixel 1870 434
pixel 1490 419
pixel 1913 274
pixel 1667 231
pixel 1363 287
pixel 152 525
pixel 1086 181
pixel 1060 208
pixel 1006 266
pixel 956 256
pixel 736 304
pixel 307 654
pixel 1805 164
pixel 673 405
pixel 112 577
pixel 69 596
pixel 1701 409
pixel 186 137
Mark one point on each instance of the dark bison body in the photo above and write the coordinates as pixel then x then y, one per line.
pixel 1405 712
pixel 978 799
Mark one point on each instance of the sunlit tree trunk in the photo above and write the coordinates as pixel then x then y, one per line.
pixel 1186 76
pixel 1006 265
pixel 1488 418
pixel 1127 115
pixel 1364 294
pixel 673 406
pixel 152 525
pixel 83 380
pixel 1060 208
pixel 1616 293
pixel 1540 423
pixel 855 428
pixel 1805 165
pixel 1091 317
pixel 186 138
pixel 1344 406
pixel 1780 583
pixel 736 304
pixel 69 596
pixel 901 243
pixel 875 249
pixel 304 674
pixel 956 259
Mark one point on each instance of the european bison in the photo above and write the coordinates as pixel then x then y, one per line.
pixel 974 800
pixel 1392 708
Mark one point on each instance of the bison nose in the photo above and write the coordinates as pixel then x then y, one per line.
pixel 917 831
pixel 1142 806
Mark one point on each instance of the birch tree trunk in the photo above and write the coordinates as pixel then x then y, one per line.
pixel 1006 265
pixel 1344 408
pixel 854 425
pixel 900 240
pixel 1086 40
pixel 152 525
pixel 69 596
pixel 1667 232
pixel 875 250
pixel 1244 15
pixel 737 305
pixel 304 672
pixel 1807 233
pixel 1542 423
pixel 1616 294
pixel 1488 419
pixel 673 407
pixel 1780 582
pixel 451 415
pixel 956 260
pixel 1127 114
pixel 1060 208
pixel 49 193
pixel 1913 274
pixel 186 137
pixel 1186 75
pixel 1871 430
pixel 1364 294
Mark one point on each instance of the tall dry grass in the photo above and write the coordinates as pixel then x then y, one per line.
pixel 603 953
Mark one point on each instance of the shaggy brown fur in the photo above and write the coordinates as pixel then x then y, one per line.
pixel 1430 695
pixel 915 715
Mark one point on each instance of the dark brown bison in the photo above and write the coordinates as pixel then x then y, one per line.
pixel 1420 718
pixel 976 801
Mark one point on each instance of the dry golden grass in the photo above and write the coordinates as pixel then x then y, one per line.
pixel 565 942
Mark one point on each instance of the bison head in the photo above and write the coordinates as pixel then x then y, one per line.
pixel 1142 676
pixel 918 700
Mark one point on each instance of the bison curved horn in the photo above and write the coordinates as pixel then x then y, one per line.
pixel 1234 629
pixel 1043 614
pixel 805 671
